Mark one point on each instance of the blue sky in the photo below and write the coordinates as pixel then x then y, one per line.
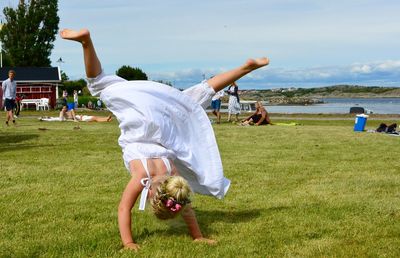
pixel 310 43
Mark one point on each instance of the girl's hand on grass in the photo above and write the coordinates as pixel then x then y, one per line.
pixel 132 246
pixel 206 241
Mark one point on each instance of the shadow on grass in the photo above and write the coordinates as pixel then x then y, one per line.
pixel 277 209
pixel 205 220
pixel 11 142
pixel 210 216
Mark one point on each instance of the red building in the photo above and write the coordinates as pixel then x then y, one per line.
pixel 35 82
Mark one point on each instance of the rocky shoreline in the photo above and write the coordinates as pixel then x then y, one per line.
pixel 312 96
pixel 301 101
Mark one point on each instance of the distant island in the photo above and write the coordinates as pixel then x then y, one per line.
pixel 310 96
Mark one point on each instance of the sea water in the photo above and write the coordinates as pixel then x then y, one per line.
pixel 342 106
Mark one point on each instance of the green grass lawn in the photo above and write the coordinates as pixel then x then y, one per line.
pixel 314 190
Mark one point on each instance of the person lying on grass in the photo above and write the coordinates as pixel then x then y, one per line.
pixel 78 118
pixel 168 144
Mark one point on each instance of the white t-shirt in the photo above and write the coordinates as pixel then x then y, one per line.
pixel 218 95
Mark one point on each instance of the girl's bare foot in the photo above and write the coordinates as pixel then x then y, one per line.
pixel 254 64
pixel 81 36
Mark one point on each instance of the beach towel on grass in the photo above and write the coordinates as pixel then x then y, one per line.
pixel 54 119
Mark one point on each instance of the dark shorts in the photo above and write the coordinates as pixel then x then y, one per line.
pixel 9 104
pixel 216 104
pixel 257 118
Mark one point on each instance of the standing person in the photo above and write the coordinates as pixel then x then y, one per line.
pixel 65 94
pixel 64 98
pixel 1 98
pixel 168 143
pixel 90 104
pixel 216 104
pixel 18 104
pixel 75 99
pixel 99 104
pixel 10 93
pixel 234 102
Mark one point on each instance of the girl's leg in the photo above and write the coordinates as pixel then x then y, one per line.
pixel 92 63
pixel 222 80
pixel 101 118
pixel 247 122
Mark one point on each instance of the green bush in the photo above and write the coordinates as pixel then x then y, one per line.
pixel 70 86
pixel 84 100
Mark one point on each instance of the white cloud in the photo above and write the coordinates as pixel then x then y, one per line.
pixel 361 69
pixel 384 73
pixel 309 41
pixel 389 66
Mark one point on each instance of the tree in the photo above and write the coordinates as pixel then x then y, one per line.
pixel 130 74
pixel 70 86
pixel 29 32
pixel 165 82
pixel 64 76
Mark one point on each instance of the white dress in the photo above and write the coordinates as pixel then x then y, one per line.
pixel 159 121
pixel 234 105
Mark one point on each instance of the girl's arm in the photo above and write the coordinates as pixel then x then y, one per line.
pixel 128 199
pixel 264 116
pixel 189 217
pixel 267 118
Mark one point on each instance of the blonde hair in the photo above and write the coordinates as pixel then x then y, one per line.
pixel 173 189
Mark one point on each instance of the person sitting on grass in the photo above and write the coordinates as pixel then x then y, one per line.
pixel 259 117
pixel 168 143
pixel 66 114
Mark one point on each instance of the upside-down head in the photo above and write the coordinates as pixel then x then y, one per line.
pixel 170 197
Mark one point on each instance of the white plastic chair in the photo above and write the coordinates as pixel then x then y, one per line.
pixel 44 103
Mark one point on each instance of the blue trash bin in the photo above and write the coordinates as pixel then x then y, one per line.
pixel 70 105
pixel 361 121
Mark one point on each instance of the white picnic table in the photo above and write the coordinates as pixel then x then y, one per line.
pixel 26 102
